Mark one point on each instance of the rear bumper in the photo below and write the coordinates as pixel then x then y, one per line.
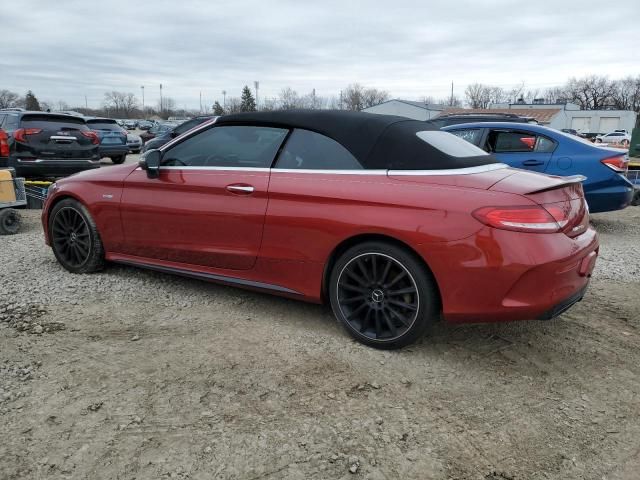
pixel 52 168
pixel 113 150
pixel 497 275
pixel 609 199
pixel 563 306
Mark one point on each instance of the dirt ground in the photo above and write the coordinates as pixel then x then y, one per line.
pixel 130 374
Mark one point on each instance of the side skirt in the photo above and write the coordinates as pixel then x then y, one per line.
pixel 210 277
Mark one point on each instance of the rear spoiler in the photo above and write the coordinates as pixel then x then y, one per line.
pixel 560 182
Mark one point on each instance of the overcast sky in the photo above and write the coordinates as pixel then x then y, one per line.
pixel 65 50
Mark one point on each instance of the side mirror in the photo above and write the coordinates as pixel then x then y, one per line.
pixel 150 162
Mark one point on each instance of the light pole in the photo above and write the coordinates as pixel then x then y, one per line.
pixel 142 88
pixel 161 105
pixel 224 100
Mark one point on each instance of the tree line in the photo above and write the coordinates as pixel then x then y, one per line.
pixel 590 93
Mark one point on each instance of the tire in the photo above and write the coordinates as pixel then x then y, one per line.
pixel 625 143
pixel 71 228
pixel 636 199
pixel 9 221
pixel 119 159
pixel 383 295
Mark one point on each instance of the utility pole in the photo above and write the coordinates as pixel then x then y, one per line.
pixel 451 101
pixel 86 104
pixel 161 104
pixel 142 88
pixel 200 101
pixel 224 100
pixel 256 84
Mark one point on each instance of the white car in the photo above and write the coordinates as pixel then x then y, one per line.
pixel 617 137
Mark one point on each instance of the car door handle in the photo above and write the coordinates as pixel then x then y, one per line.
pixel 240 189
pixel 532 163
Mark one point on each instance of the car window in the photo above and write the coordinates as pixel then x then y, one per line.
pixel 450 144
pixel 471 135
pixel 2 117
pixel 228 146
pixel 104 125
pixel 188 125
pixel 545 145
pixel 310 150
pixel 11 122
pixel 51 122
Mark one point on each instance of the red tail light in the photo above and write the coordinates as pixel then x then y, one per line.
pixel 4 144
pixel 21 134
pixel 619 163
pixel 569 217
pixel 93 136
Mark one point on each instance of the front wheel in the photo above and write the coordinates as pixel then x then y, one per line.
pixel 119 159
pixel 383 295
pixel 74 237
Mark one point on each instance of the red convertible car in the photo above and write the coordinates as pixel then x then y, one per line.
pixel 394 224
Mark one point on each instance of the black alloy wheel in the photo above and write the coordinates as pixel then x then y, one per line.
pixel 74 238
pixel 383 295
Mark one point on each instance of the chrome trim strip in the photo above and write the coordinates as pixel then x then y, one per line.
pixel 62 137
pixel 452 171
pixel 333 172
pixel 233 169
pixel 57 160
pixel 209 277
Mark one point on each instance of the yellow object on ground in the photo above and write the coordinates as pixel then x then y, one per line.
pixel 7 190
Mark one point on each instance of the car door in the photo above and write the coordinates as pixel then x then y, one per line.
pixel 520 148
pixel 208 205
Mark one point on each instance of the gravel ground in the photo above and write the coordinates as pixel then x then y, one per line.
pixel 131 374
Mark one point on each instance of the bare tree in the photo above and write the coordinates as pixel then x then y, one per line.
pixel 233 105
pixel 121 104
pixel 289 99
pixel 357 97
pixel 626 94
pixel 591 93
pixel 8 99
pixel 478 95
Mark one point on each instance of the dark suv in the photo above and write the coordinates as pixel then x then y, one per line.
pixel 41 144
pixel 446 120
pixel 113 138
pixel 163 137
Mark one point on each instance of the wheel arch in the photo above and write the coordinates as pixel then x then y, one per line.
pixel 347 243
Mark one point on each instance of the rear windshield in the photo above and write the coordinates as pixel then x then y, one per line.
pixel 104 125
pixel 49 122
pixel 450 144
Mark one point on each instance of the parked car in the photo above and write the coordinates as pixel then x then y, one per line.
pixel 542 149
pixel 158 129
pixel 168 135
pixel 134 142
pixel 41 144
pixel 130 124
pixel 389 221
pixel 113 138
pixel 617 137
pixel 570 131
pixel 445 120
pixel 145 124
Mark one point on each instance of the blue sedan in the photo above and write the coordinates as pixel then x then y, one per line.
pixel 542 149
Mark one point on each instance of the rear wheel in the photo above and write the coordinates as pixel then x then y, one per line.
pixel 383 295
pixel 9 221
pixel 74 238
pixel 119 159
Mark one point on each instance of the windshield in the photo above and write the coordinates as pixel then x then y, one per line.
pixel 104 125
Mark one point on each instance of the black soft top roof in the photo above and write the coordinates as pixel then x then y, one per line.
pixel 377 141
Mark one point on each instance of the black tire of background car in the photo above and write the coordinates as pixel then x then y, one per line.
pixel 9 221
pixel 636 199
pixel 119 159
pixel 94 260
pixel 427 293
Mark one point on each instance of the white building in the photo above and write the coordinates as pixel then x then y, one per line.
pixel 558 116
